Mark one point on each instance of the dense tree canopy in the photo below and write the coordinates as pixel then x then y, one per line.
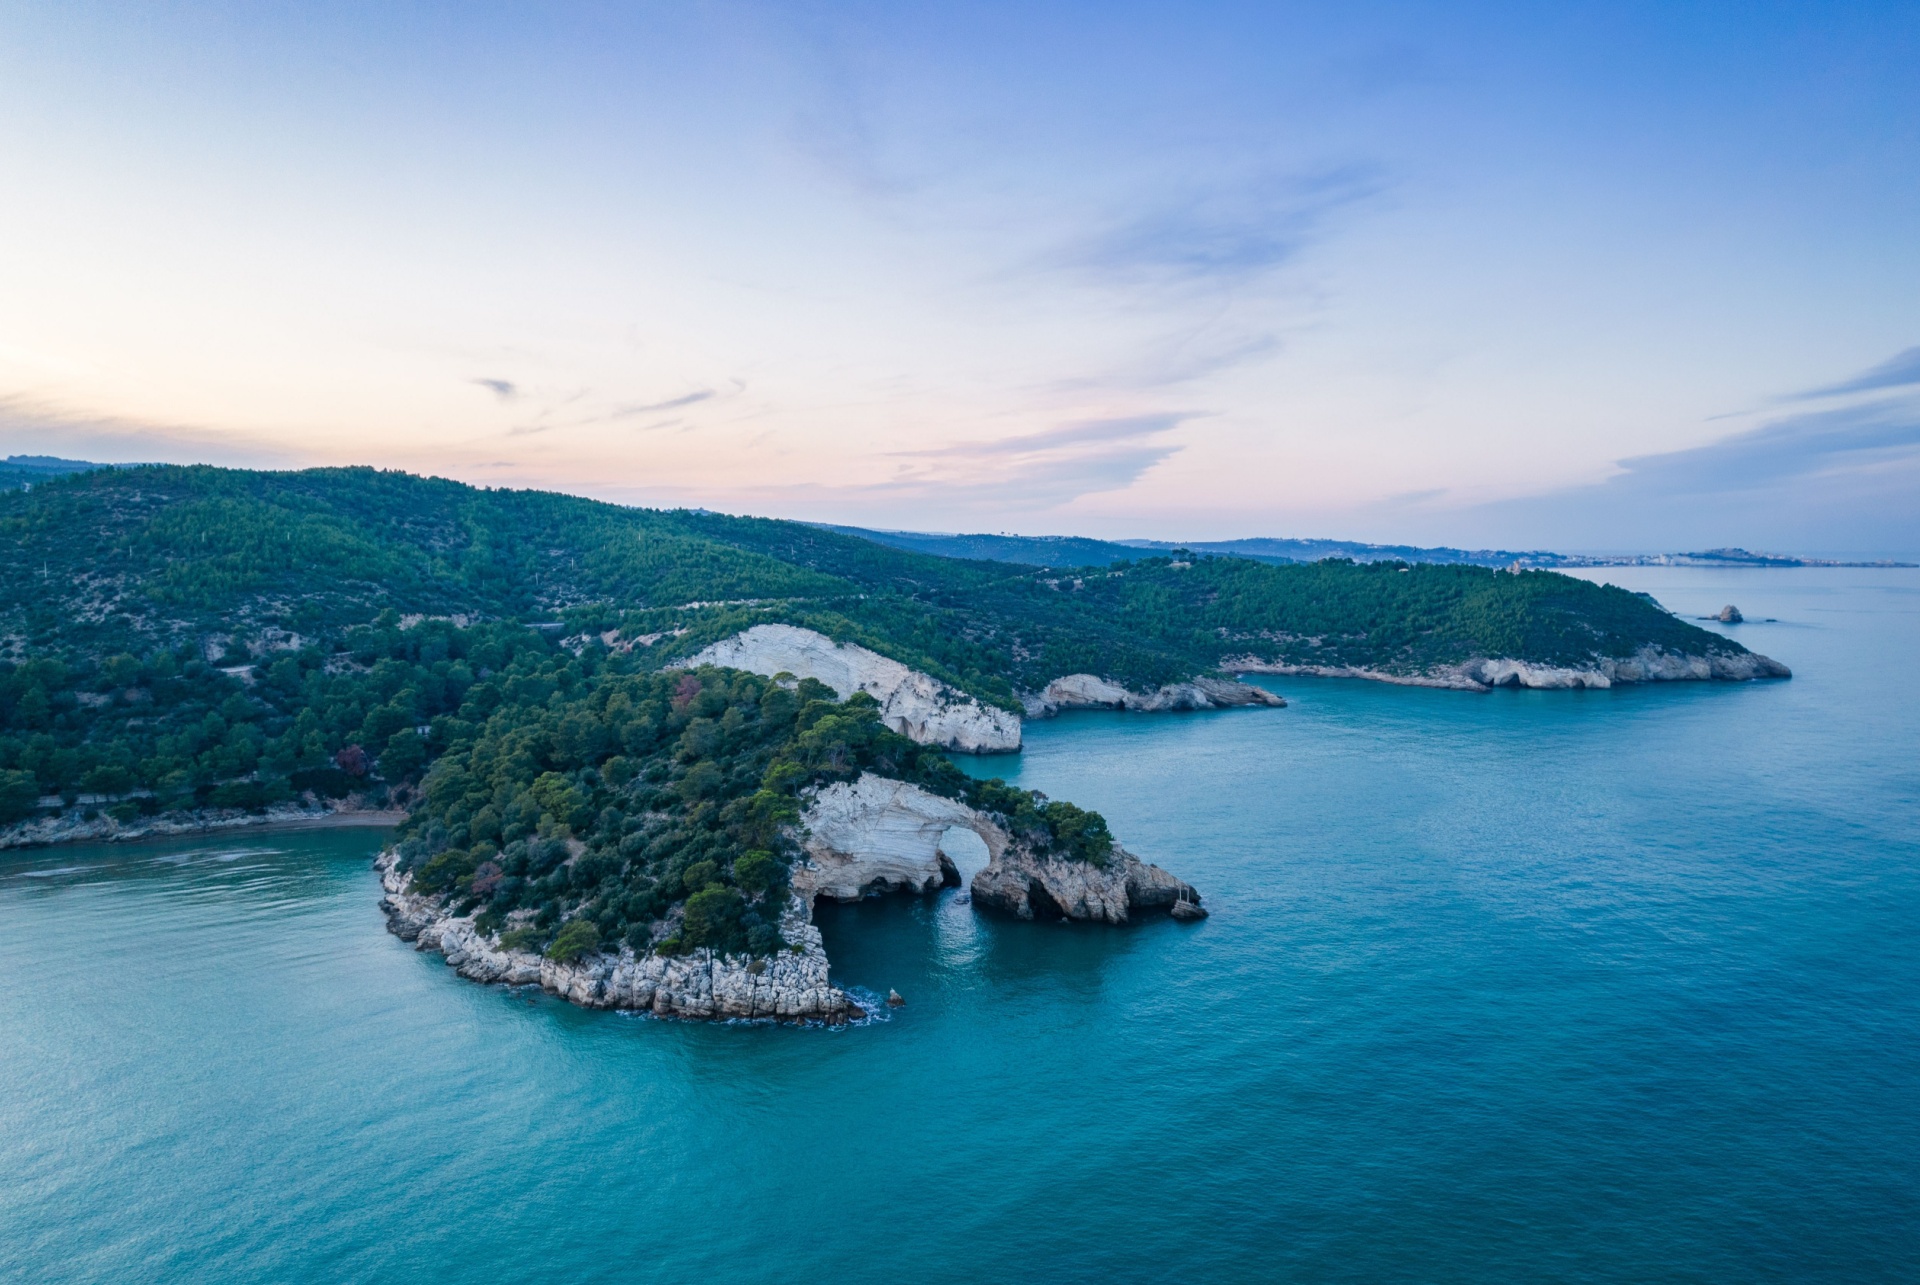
pixel 189 637
pixel 660 808
pixel 138 560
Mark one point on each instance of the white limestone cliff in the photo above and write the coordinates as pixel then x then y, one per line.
pixel 881 835
pixel 914 704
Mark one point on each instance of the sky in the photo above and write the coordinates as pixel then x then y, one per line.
pixel 1597 277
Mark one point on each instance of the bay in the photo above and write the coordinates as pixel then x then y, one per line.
pixel 1583 986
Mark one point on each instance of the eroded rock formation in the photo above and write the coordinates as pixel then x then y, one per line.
pixel 880 835
pixel 875 835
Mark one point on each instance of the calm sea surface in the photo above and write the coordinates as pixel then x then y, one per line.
pixel 1596 986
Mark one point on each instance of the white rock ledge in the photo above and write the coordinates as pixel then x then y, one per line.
pixel 1648 665
pixel 914 704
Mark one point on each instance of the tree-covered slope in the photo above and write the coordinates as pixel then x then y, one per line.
pixel 659 809
pixel 191 637
pixel 138 559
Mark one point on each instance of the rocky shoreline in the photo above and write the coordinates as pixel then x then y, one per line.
pixel 926 710
pixel 791 986
pixel 1089 691
pixel 1648 665
pixel 863 838
pixel 75 826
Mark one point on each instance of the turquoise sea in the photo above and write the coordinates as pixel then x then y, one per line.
pixel 1529 986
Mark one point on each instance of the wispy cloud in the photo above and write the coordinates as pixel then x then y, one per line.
pixel 1222 233
pixel 1797 448
pixel 652 408
pixel 1899 371
pixel 1079 433
pixel 1035 470
pixel 1829 480
pixel 504 389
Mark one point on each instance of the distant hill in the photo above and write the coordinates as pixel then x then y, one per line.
pixel 19 471
pixel 1028 550
pixel 134 559
pixel 1282 550
pixel 1078 551
pixel 1067 551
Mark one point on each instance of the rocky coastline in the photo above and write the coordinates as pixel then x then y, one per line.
pixel 75 826
pixel 923 708
pixel 791 986
pixel 1648 665
pixel 1089 691
pixel 863 838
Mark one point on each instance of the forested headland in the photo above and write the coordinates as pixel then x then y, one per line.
pixel 176 637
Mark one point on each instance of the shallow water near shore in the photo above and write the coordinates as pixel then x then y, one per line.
pixel 1586 986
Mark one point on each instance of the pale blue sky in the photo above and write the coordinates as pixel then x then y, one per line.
pixel 1607 276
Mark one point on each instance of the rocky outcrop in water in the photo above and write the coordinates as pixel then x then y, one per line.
pixel 1089 691
pixel 1648 665
pixel 916 705
pixel 1034 887
pixel 861 838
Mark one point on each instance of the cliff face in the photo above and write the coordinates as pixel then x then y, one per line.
pixel 1648 665
pixel 1087 691
pixel 916 705
pixel 880 835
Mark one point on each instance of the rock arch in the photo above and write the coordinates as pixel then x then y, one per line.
pixel 880 835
